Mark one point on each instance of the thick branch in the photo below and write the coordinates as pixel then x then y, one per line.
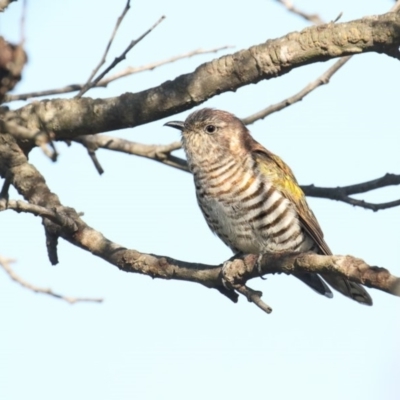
pixel 241 269
pixel 75 117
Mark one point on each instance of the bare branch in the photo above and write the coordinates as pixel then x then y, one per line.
pixel 314 18
pixel 343 193
pixel 237 271
pixel 104 82
pixel 5 188
pixel 86 87
pixel 151 66
pixel 56 214
pixel 253 296
pixel 39 138
pixel 95 161
pixel 117 60
pixel 322 80
pixel 371 206
pixel 5 263
pixel 69 118
pixel 160 153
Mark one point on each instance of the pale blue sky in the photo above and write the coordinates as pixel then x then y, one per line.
pixel 154 339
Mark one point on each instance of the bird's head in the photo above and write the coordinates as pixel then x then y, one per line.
pixel 212 132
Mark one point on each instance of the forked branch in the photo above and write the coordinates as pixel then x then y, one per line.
pixel 343 193
pixel 69 118
pixel 118 75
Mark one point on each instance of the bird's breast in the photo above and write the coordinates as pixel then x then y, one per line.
pixel 244 208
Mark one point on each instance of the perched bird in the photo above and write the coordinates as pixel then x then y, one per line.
pixel 250 197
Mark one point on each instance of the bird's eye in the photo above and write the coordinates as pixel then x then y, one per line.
pixel 210 128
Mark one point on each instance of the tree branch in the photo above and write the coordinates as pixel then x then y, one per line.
pixel 55 215
pixel 118 75
pixel 320 81
pixel 314 18
pixel 343 193
pixel 236 272
pixel 160 153
pixel 118 59
pixel 76 117
pixel 89 83
pixel 5 263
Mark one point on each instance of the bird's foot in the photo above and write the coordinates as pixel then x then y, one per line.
pixel 259 266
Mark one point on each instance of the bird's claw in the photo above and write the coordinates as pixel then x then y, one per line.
pixel 259 266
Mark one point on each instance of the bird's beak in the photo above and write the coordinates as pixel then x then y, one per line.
pixel 176 124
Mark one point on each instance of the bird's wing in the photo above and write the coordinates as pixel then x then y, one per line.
pixel 283 179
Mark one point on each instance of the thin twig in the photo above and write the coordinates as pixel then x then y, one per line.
pixel 95 161
pixel 57 215
pixel 5 189
pixel 151 66
pixel 343 193
pixel 322 80
pixel 117 60
pixel 370 206
pixel 103 59
pixel 253 296
pixel 384 181
pixel 160 153
pixel 91 148
pixel 104 82
pixel 22 23
pixel 5 263
pixel 51 245
pixel 314 18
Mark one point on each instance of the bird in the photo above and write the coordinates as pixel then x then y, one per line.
pixel 251 199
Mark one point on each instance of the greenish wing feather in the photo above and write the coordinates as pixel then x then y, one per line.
pixel 283 179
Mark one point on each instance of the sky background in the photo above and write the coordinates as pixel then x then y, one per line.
pixel 154 339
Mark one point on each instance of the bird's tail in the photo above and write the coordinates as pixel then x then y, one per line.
pixel 315 283
pixel 349 289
